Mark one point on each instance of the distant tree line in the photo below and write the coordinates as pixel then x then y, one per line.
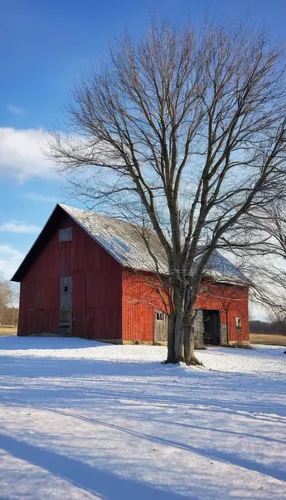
pixel 270 327
pixel 8 313
pixel 10 316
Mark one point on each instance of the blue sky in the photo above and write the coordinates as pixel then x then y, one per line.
pixel 45 45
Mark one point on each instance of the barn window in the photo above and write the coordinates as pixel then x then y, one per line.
pixel 65 234
pixel 66 288
pixel 238 323
pixel 159 315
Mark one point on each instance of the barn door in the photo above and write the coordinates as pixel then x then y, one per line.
pixel 65 309
pixel 160 327
pixel 211 327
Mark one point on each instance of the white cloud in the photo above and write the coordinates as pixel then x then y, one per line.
pixel 10 259
pixel 16 110
pixel 41 198
pixel 12 252
pixel 15 226
pixel 21 154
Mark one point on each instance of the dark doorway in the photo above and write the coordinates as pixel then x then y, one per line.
pixel 211 327
pixel 160 327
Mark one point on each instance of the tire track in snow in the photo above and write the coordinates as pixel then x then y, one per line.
pixel 219 456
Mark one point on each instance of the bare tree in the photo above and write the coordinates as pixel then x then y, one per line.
pixel 183 132
pixel 6 295
pixel 264 259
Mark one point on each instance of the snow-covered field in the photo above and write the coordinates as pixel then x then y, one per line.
pixel 82 420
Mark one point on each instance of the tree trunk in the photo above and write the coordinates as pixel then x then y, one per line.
pixel 179 337
pixel 171 339
pixel 189 345
pixel 181 333
pixel 185 349
pixel 175 338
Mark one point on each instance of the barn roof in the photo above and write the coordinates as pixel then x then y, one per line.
pixel 121 239
pixel 124 242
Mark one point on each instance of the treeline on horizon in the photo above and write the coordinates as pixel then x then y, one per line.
pixel 270 327
pixel 10 316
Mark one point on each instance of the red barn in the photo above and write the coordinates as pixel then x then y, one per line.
pixel 91 276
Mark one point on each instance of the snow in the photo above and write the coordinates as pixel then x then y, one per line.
pixel 83 420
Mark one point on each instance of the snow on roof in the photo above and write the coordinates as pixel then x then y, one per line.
pixel 222 268
pixel 124 242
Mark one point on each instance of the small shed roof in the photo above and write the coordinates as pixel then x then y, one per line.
pixel 124 242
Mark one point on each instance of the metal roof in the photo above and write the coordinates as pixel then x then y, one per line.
pixel 124 242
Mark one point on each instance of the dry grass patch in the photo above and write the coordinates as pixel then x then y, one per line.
pixel 267 339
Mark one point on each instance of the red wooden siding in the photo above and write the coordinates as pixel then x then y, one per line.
pixel 140 301
pixel 232 301
pixel 138 304
pixel 97 310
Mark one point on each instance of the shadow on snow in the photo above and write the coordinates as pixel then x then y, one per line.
pixel 83 475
